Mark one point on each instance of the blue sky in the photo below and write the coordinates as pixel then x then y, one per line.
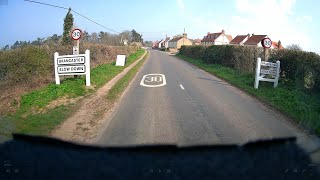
pixel 291 21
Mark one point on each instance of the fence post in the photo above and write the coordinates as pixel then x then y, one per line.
pixel 258 67
pixel 87 67
pixel 56 75
pixel 277 75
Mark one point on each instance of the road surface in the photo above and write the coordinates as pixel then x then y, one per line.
pixel 192 108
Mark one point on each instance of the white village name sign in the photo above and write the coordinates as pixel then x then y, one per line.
pixel 273 70
pixel 77 64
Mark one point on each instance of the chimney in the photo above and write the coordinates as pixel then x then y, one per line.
pixel 184 35
pixel 208 33
pixel 279 44
pixel 248 35
pixel 223 32
pixel 252 34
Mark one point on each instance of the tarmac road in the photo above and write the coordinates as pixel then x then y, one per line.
pixel 191 107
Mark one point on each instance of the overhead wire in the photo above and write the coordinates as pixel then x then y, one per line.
pixel 74 12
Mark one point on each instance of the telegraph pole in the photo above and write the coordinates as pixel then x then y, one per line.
pixel 184 31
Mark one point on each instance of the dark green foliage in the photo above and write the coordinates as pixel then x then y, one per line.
pixel 299 69
pixel 24 65
pixel 67 26
pixel 136 37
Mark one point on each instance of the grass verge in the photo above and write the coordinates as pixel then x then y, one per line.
pixel 303 107
pixel 31 120
pixel 121 85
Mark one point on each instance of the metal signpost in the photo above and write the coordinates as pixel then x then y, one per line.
pixel 76 35
pixel 266 44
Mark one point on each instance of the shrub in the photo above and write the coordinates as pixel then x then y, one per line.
pixel 299 69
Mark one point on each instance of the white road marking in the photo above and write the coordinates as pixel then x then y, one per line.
pixel 153 78
pixel 181 87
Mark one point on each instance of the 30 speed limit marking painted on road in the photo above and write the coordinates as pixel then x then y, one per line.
pixel 153 80
pixel 76 34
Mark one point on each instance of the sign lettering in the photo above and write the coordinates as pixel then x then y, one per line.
pixel 71 69
pixel 71 60
pixel 265 63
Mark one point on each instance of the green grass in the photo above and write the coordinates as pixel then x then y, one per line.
pixel 26 121
pixel 121 85
pixel 105 72
pixel 304 107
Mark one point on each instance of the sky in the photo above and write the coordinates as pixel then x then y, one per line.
pixel 291 21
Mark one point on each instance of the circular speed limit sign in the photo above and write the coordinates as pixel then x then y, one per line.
pixel 76 34
pixel 266 42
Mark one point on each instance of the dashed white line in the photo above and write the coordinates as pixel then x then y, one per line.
pixel 181 87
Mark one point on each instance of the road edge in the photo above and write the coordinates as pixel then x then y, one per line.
pixel 113 109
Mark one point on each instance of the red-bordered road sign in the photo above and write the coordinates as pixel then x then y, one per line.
pixel 76 34
pixel 266 42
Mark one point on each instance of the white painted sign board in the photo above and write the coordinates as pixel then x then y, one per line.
pixel 78 64
pixel 273 69
pixel 121 60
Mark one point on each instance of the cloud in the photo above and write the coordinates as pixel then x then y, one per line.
pixel 274 18
pixel 180 4
pixel 303 19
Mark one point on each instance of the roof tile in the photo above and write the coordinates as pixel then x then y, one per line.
pixel 238 39
pixel 254 39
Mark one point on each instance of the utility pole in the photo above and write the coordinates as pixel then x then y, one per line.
pixel 184 31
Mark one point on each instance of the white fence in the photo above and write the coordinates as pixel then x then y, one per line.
pixel 78 64
pixel 270 69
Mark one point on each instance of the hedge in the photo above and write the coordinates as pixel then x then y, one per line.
pixel 299 69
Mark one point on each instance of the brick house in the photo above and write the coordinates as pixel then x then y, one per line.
pixel 179 41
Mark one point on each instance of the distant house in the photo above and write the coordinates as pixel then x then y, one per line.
pixel 239 40
pixel 255 40
pixel 155 44
pixel 277 45
pixel 196 42
pixel 125 42
pixel 166 42
pixel 220 38
pixel 161 43
pixel 179 41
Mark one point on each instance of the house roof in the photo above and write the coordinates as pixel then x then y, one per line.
pixel 211 37
pixel 275 45
pixel 238 39
pixel 254 39
pixel 229 37
pixel 175 39
pixel 196 40
pixel 167 39
pixel 161 41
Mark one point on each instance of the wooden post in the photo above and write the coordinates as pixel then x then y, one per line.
pixel 77 52
pixel 257 74
pixel 266 54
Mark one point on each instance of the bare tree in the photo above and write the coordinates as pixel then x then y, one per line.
pixel 295 47
pixel 94 37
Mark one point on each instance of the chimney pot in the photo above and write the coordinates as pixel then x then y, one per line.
pixel 279 44
pixel 184 35
pixel 223 32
